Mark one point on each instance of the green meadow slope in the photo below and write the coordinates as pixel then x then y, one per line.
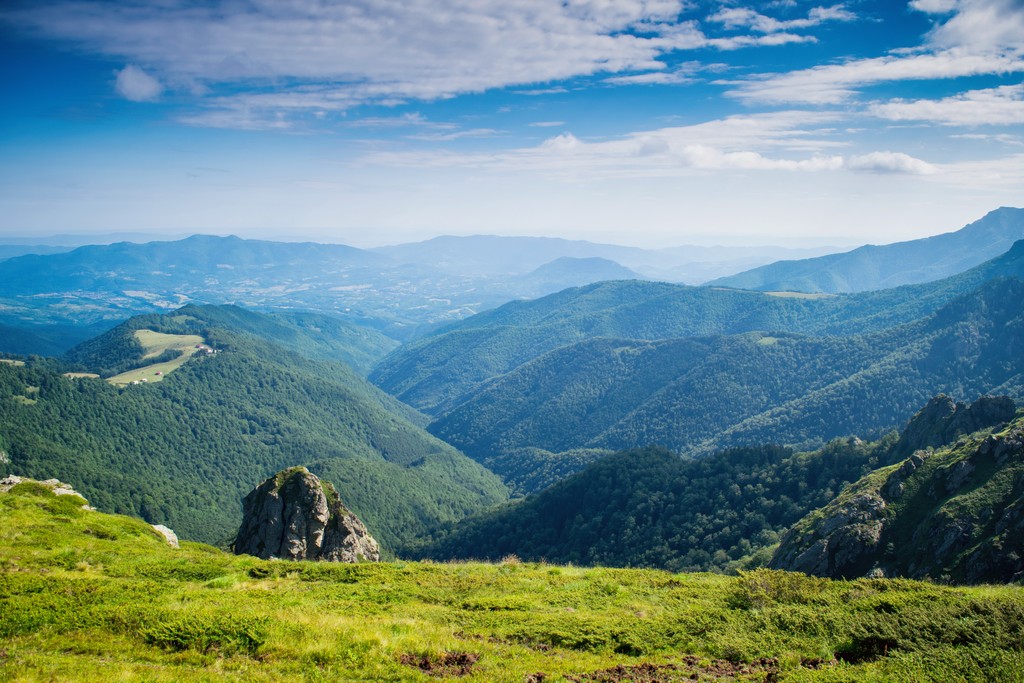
pixel 91 597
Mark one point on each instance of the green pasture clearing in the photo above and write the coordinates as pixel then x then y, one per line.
pixel 800 295
pixel 154 345
pixel 86 596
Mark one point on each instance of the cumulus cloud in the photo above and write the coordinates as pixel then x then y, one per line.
pixel 136 85
pixel 784 141
pixel 992 106
pixel 890 162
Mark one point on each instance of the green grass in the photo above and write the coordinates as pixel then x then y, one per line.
pixel 86 596
pixel 155 344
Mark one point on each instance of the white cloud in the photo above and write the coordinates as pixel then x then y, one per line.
pixel 783 141
pixel 992 106
pixel 136 85
pixel 978 37
pixel 744 17
pixel 455 135
pixel 890 162
pixel 837 83
pixel 324 57
pixel 983 26
pixel 367 49
pixel 934 6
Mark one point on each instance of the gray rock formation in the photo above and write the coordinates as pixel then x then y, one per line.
pixel 942 420
pixel 168 534
pixel 954 515
pixel 295 516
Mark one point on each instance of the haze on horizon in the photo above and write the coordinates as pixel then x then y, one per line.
pixel 644 122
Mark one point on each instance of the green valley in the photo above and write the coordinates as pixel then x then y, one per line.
pixel 184 451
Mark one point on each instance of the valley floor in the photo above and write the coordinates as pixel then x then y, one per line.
pixel 86 596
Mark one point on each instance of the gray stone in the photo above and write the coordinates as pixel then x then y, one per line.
pixel 172 538
pixel 296 516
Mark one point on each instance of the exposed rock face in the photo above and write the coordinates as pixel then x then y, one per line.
pixel 295 516
pixel 942 420
pixel 955 515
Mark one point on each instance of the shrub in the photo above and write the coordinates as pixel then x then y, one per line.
pixel 224 634
pixel 764 587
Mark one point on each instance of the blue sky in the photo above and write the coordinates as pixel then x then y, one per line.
pixel 647 122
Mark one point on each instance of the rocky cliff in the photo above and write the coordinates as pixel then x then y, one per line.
pixel 296 516
pixel 954 514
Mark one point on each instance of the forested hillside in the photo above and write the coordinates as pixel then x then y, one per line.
pixel 651 508
pixel 440 371
pixel 184 451
pixel 699 394
pixel 312 335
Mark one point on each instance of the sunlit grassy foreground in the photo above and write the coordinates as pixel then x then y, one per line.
pixel 91 597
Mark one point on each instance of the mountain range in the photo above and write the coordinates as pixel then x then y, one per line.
pixel 881 267
pixel 626 364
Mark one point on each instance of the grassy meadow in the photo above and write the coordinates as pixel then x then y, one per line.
pixel 86 596
pixel 155 345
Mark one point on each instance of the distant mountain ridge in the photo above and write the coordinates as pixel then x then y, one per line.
pixel 439 371
pixel 401 292
pixel 516 255
pixel 874 267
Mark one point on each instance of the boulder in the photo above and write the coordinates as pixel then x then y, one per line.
pixel 296 516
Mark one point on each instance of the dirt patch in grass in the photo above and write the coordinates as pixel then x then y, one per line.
pixel 444 664
pixel 691 669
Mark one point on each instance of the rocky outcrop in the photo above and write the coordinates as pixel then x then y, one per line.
pixel 843 541
pixel 296 516
pixel 943 420
pixel 56 486
pixel 168 534
pixel 956 515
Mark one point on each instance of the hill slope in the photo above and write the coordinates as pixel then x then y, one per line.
pixel 954 514
pixel 185 451
pixel 700 394
pixel 94 598
pixel 442 370
pixel 881 267
pixel 648 507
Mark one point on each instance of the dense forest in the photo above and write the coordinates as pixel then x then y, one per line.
pixel 696 395
pixel 651 508
pixel 442 370
pixel 184 451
